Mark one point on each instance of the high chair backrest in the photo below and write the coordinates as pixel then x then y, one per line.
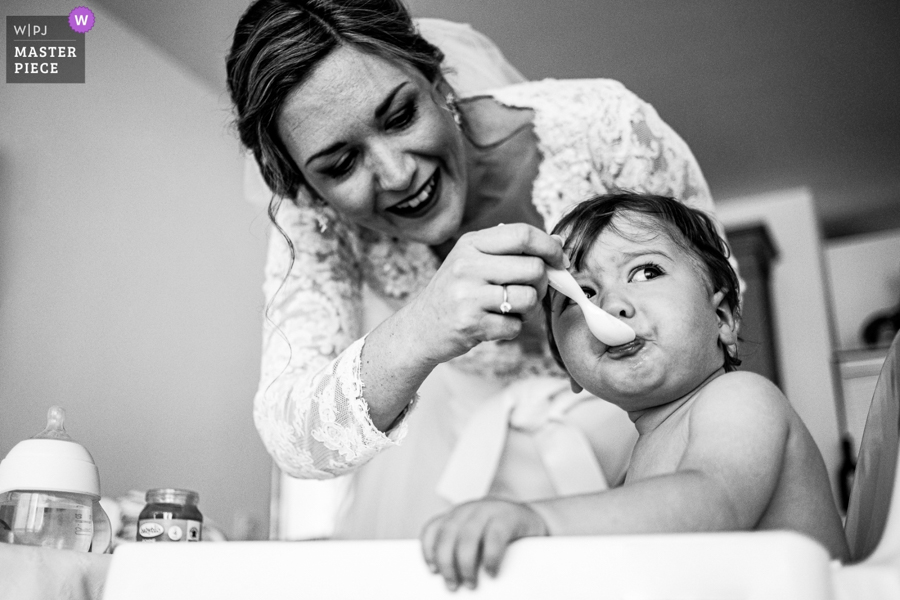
pixel 873 515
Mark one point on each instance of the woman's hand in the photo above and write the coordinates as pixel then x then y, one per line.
pixel 463 304
pixel 476 534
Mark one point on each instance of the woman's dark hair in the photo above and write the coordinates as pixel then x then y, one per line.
pixel 277 44
pixel 691 229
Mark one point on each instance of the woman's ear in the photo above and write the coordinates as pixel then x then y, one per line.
pixel 728 330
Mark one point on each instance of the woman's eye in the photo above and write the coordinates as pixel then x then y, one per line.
pixel 340 168
pixel 403 117
pixel 646 272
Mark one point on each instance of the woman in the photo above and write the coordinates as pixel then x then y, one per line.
pixel 398 191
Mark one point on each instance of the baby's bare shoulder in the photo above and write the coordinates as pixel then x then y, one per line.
pixel 742 395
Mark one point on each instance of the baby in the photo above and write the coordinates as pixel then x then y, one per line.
pixel 718 450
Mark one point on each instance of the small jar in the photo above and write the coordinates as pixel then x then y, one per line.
pixel 171 515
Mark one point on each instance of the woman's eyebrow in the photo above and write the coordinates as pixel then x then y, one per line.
pixel 388 100
pixel 379 112
pixel 332 148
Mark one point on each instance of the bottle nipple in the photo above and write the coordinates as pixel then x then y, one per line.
pixel 56 426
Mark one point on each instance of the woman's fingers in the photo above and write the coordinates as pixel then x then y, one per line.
pixel 464 304
pixel 506 268
pixel 519 238
pixel 516 299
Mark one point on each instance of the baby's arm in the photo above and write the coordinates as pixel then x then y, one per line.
pixel 724 480
pixel 727 474
pixel 476 534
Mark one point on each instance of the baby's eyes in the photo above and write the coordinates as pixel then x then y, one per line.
pixel 566 301
pixel 646 272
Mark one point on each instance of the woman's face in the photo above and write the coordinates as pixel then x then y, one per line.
pixel 374 139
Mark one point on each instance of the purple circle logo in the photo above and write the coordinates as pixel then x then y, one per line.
pixel 81 19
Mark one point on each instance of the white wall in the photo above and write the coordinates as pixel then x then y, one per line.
pixel 802 320
pixel 130 272
pixel 864 276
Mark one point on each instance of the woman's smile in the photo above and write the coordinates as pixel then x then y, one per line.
pixel 422 201
pixel 375 140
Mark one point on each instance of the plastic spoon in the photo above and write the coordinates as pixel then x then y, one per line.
pixel 605 327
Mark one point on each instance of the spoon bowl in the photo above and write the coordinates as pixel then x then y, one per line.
pixel 605 327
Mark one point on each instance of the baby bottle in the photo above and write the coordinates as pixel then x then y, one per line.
pixel 50 493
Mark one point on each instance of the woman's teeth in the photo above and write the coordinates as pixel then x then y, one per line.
pixel 423 195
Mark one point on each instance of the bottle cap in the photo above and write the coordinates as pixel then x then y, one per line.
pixel 51 461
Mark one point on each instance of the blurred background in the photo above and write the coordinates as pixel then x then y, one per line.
pixel 131 262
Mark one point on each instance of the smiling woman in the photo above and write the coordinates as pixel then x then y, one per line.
pixel 379 142
pixel 391 171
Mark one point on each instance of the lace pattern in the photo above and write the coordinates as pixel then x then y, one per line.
pixel 594 136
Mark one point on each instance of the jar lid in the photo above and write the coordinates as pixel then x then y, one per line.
pixel 172 496
pixel 51 461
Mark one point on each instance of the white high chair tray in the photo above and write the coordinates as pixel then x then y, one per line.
pixel 720 566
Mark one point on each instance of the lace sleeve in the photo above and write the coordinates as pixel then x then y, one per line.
pixel 633 148
pixel 309 409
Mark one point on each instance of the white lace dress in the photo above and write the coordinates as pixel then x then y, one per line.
pixel 594 136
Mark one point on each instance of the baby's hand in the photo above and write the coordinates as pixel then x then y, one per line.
pixel 476 534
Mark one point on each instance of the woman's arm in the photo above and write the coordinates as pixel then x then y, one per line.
pixel 326 399
pixel 314 412
pixel 309 409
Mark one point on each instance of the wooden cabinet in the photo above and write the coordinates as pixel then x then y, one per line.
pixel 755 252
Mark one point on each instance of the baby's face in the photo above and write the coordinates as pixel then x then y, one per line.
pixel 656 287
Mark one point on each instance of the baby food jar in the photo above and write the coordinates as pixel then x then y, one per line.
pixel 171 515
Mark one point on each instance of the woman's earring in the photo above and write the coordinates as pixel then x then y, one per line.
pixel 322 221
pixel 318 205
pixel 453 107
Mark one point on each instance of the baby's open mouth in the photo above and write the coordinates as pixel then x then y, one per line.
pixel 421 201
pixel 629 349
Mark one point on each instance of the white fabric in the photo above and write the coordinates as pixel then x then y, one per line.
pixel 534 405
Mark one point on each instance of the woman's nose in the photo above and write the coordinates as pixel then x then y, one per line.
pixel 393 168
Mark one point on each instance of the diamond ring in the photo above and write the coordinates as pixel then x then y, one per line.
pixel 505 306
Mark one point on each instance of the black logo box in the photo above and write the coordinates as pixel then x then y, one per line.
pixel 43 49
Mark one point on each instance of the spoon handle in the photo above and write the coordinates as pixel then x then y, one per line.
pixel 564 283
pixel 603 325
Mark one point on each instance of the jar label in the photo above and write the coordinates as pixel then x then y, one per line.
pixel 169 530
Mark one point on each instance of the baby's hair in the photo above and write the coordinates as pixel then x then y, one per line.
pixel 691 229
